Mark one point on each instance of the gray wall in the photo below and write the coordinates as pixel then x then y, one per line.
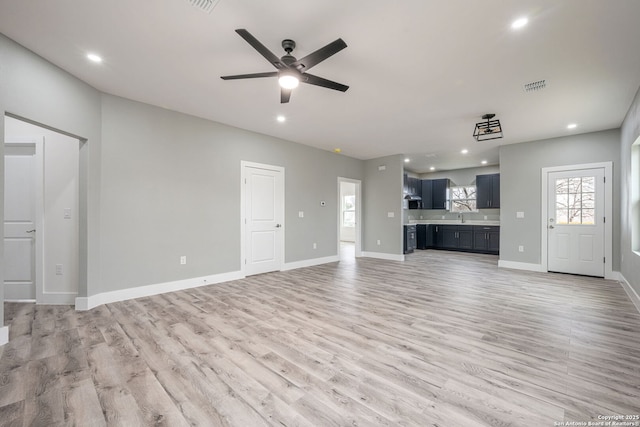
pixel 156 184
pixel 520 188
pixel 34 88
pixel 381 194
pixel 171 187
pixel 630 131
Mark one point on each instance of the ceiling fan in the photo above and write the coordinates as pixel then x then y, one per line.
pixel 292 71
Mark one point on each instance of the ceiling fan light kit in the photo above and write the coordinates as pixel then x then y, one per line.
pixel 488 130
pixel 292 71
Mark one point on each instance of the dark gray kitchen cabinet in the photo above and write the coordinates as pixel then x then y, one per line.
pixel 486 239
pixel 425 236
pixel 488 191
pixel 455 237
pixel 434 193
pixel 427 193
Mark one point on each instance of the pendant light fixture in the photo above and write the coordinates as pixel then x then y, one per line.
pixel 491 129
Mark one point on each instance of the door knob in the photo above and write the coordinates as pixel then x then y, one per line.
pixel 551 227
pixel 278 225
pixel 31 231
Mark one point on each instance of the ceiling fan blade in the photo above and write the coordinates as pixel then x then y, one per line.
pixel 320 55
pixel 285 95
pixel 262 50
pixel 319 81
pixel 250 76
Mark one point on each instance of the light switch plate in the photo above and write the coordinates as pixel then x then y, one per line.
pixel 391 214
pixel 67 213
pixel 519 214
pixel 300 214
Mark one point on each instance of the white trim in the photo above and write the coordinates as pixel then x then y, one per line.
pixel 310 262
pixel 87 303
pixel 21 301
pixel 633 295
pixel 358 242
pixel 58 298
pixel 243 243
pixel 608 211
pixel 380 255
pixel 4 335
pixel 521 266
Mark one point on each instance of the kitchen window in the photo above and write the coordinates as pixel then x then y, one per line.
pixel 463 198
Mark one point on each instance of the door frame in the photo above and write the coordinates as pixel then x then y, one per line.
pixel 608 211
pixel 243 194
pixel 38 143
pixel 358 231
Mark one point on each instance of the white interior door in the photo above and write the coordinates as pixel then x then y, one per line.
pixel 20 222
pixel 264 218
pixel 576 222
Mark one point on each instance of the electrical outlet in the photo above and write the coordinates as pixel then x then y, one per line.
pixel 420 216
pixel 67 213
pixel 315 245
pixel 183 260
pixel 485 217
pixel 382 167
pixel 300 214
pixel 378 242
pixel 442 216
pixel 391 214
pixel 520 248
pixel 58 269
pixel 519 214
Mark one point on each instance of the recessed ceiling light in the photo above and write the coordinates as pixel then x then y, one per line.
pixel 464 151
pixel 407 160
pixel 432 168
pixel 94 58
pixel 281 119
pixel 484 162
pixel 572 126
pixel 519 23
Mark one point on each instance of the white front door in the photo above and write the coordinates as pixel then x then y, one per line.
pixel 575 222
pixel 20 222
pixel 263 218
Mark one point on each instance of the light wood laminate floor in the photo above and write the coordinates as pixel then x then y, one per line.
pixel 443 339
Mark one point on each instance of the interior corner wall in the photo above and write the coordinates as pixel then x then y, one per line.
pixel 35 89
pixel 521 181
pixel 381 195
pixel 629 133
pixel 171 188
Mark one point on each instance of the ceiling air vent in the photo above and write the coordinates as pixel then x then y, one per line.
pixel 204 5
pixel 535 86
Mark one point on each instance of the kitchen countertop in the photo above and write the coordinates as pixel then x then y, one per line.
pixel 454 222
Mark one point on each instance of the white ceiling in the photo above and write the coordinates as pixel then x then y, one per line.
pixel 422 72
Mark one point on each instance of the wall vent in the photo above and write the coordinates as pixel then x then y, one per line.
pixel 535 86
pixel 204 5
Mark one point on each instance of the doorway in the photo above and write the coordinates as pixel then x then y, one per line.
pixel 262 218
pixel 576 206
pixel 50 183
pixel 349 218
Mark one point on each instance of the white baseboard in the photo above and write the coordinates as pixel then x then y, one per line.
pixel 633 295
pixel 310 262
pixel 520 266
pixel 87 303
pixel 380 255
pixel 22 301
pixel 59 298
pixel 4 335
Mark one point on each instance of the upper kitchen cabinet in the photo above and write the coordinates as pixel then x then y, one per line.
pixel 411 186
pixel 434 193
pixel 439 189
pixel 488 191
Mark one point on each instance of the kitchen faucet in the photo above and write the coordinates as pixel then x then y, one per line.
pixel 461 216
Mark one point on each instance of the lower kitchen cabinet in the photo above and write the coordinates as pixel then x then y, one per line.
pixel 468 238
